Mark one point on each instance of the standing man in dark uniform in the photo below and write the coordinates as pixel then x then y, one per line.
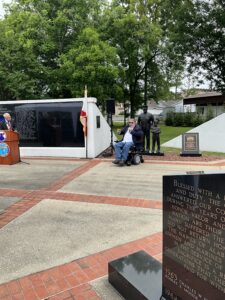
pixel 145 120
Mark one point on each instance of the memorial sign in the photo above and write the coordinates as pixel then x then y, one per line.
pixel 194 237
pixel 190 144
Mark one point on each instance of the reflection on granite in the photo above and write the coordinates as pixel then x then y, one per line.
pixel 137 276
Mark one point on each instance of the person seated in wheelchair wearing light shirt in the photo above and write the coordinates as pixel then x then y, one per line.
pixel 132 136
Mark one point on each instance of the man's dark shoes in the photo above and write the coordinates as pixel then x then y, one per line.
pixel 121 163
pixel 128 163
pixel 116 161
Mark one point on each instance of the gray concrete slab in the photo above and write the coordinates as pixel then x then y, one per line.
pixel 55 232
pixel 35 174
pixel 105 290
pixel 6 202
pixel 142 181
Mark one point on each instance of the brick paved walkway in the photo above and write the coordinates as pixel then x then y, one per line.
pixel 72 280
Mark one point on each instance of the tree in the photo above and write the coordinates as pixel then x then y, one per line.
pixel 90 62
pixel 132 48
pixel 145 35
pixel 133 28
pixel 35 34
pixel 20 71
pixel 209 41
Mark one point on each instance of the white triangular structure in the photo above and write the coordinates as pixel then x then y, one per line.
pixel 211 136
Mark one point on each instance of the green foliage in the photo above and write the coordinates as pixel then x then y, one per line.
pixel 178 119
pixel 198 120
pixel 170 132
pixel 209 114
pixel 90 61
pixel 169 118
pixel 135 28
pixel 34 37
pixel 208 42
pixel 130 50
pixel 188 119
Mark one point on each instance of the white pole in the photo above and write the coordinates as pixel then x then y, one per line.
pixel 86 109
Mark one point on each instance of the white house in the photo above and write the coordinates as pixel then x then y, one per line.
pixel 203 102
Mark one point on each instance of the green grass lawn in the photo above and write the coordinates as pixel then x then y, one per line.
pixel 168 133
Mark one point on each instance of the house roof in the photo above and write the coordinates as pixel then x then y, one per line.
pixel 205 98
pixel 164 104
pixel 204 95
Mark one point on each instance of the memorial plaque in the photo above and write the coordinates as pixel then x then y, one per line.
pixel 194 237
pixel 190 144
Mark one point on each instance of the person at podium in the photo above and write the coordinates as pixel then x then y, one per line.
pixel 6 123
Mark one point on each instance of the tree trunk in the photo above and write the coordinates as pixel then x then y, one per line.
pixel 145 85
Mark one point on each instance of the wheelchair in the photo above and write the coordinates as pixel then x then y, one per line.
pixel 134 156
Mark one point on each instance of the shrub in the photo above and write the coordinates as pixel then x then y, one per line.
pixel 189 119
pixel 178 119
pixel 209 114
pixel 198 120
pixel 169 119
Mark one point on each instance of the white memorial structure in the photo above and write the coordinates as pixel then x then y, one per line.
pixel 54 128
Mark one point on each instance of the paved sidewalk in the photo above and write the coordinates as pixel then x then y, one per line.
pixel 63 220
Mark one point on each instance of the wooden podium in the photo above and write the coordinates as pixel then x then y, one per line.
pixel 12 141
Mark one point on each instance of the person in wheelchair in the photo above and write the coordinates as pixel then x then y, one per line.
pixel 132 136
pixel 135 155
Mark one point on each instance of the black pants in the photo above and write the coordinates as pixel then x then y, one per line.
pixel 146 137
pixel 155 139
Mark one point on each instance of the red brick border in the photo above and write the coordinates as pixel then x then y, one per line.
pixel 16 210
pixel 32 198
pixel 72 279
pixel 58 184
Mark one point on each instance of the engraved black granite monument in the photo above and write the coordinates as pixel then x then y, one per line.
pixel 193 245
pixel 194 237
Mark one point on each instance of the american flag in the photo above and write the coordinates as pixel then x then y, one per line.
pixel 83 119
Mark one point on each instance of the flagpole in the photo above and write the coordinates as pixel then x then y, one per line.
pixel 85 136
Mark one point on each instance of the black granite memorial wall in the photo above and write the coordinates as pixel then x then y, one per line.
pixel 194 237
pixel 47 124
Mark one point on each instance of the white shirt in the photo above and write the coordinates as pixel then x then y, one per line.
pixel 9 125
pixel 127 137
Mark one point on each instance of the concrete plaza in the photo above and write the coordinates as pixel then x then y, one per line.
pixel 63 220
